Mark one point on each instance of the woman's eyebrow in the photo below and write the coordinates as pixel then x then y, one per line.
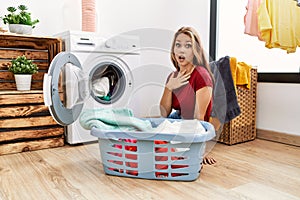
pixel 187 41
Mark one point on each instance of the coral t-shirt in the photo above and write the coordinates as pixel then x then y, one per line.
pixel 184 98
pixel 251 19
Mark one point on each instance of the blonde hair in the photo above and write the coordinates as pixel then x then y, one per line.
pixel 199 53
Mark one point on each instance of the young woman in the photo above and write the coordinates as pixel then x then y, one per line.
pixel 189 89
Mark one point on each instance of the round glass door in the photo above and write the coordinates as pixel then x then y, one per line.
pixel 108 82
pixel 65 71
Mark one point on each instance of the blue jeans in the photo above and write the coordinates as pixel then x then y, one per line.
pixel 175 115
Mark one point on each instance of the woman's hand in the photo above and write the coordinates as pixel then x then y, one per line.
pixel 176 82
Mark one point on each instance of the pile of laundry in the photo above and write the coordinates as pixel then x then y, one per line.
pixel 123 119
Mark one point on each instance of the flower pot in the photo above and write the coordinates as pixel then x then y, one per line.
pixel 23 81
pixel 20 29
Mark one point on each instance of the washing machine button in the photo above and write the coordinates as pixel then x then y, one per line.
pixel 111 43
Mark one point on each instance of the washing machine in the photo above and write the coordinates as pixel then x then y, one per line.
pixel 94 72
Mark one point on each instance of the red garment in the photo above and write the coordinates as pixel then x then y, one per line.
pixel 130 147
pixel 183 98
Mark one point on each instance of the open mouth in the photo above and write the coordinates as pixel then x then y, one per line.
pixel 181 58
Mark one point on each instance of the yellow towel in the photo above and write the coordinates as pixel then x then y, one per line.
pixel 233 69
pixel 240 72
pixel 243 76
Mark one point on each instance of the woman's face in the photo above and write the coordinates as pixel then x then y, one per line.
pixel 183 50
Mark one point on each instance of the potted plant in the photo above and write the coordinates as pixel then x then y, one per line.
pixel 19 22
pixel 23 68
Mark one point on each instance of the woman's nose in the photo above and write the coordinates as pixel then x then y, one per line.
pixel 181 49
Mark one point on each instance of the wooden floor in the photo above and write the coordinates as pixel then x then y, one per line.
pixel 254 170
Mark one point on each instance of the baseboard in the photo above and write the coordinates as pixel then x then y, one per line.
pixel 278 137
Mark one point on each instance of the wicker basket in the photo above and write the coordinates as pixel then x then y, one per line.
pixel 243 127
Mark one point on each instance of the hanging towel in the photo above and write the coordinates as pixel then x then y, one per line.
pixel 241 72
pixel 113 119
pixel 225 106
pixel 233 66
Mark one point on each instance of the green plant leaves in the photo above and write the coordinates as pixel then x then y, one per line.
pixel 11 9
pixel 23 17
pixel 22 65
pixel 22 7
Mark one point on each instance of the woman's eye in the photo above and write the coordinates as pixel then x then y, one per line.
pixel 188 46
pixel 177 45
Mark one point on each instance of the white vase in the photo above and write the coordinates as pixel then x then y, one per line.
pixel 20 29
pixel 23 81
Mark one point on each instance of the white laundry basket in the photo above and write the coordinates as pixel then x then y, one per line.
pixel 162 156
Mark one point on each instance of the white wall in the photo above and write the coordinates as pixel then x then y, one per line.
pixel 117 16
pixel 55 15
pixel 278 105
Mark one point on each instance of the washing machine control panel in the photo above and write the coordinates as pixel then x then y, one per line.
pixel 86 43
pixel 75 41
pixel 80 41
pixel 122 44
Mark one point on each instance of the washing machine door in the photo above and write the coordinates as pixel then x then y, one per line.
pixel 53 84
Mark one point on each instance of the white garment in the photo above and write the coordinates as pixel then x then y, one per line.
pixel 101 87
pixel 183 126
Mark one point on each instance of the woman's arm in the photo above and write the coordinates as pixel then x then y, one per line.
pixel 203 97
pixel 166 103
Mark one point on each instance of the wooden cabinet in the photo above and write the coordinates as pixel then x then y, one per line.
pixel 25 122
pixel 40 49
